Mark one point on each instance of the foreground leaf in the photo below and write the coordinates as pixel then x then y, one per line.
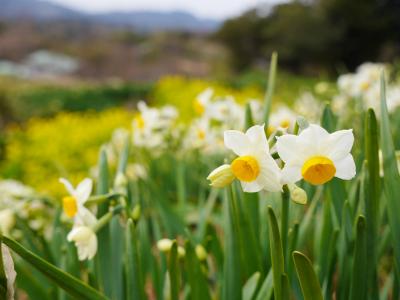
pixel 358 288
pixel 308 279
pixel 250 286
pixel 391 180
pixel 75 287
pixel 277 260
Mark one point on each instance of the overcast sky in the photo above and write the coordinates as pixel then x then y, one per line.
pixel 218 9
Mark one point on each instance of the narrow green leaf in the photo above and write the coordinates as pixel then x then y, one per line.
pixel 285 220
pixel 173 269
pixel 103 256
pixel 231 282
pixel 359 281
pixel 308 279
pixel 70 284
pixel 248 120
pixel 270 88
pixel 124 156
pixel 266 289
pixel 27 281
pixel 134 280
pixel 391 180
pixel 250 287
pixel 196 278
pixel 3 278
pixel 249 247
pixel 371 198
pixel 285 286
pixel 277 260
pixel 328 119
pixel 117 245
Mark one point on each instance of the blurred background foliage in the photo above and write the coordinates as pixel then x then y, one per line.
pixel 66 145
pixel 315 36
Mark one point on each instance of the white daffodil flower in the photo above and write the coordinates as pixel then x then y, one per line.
pixel 202 101
pixel 316 155
pixel 73 204
pixel 255 167
pixel 85 240
pixel 283 118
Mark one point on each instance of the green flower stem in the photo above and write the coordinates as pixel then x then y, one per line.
pixel 285 221
pixel 106 218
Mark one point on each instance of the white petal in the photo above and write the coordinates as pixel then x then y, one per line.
pixel 84 217
pixel 270 174
pixel 314 132
pixel 71 235
pixel 286 146
pixel 257 137
pixel 291 173
pixel 345 168
pixel 68 186
pixel 340 144
pixel 312 139
pixel 236 141
pixel 84 190
pixel 92 247
pixel 251 187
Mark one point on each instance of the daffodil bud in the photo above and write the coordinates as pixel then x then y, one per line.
pixel 201 252
pixel 181 252
pixel 164 245
pixel 136 213
pixel 120 181
pixel 297 194
pixel 221 176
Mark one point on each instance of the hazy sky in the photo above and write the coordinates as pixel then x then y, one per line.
pixel 203 8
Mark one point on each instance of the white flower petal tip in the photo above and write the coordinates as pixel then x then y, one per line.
pixel 85 240
pixel 221 176
pixel 316 155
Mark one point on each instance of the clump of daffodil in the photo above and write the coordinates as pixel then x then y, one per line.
pixel 254 167
pixel 316 155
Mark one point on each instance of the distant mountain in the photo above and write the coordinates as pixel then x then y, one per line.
pixel 148 21
pixel 36 10
pixel 42 11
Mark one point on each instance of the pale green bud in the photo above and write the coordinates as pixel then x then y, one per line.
pixel 297 194
pixel 221 176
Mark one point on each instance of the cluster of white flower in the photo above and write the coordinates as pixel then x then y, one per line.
pixel 18 200
pixel 152 126
pixel 364 85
